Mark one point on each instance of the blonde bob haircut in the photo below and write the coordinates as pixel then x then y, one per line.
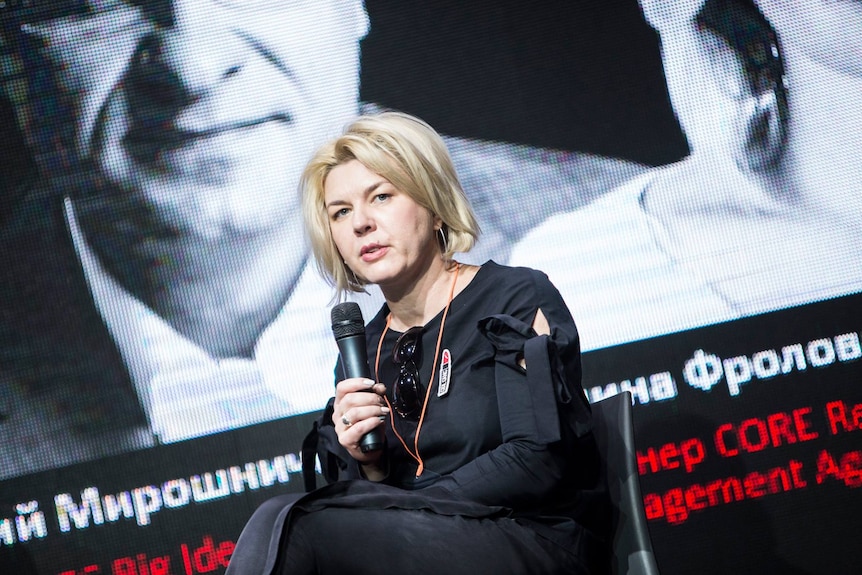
pixel 412 157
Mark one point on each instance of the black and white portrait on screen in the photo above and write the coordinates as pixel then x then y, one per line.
pixel 763 214
pixel 155 282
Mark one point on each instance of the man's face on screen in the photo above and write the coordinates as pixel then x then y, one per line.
pixel 198 113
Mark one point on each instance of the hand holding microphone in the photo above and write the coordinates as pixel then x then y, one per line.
pixel 357 414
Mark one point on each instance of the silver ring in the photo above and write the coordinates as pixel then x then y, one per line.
pixel 346 421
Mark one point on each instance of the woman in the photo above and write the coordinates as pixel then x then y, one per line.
pixel 764 214
pixel 489 465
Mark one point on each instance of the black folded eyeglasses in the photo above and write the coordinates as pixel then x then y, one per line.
pixel 408 393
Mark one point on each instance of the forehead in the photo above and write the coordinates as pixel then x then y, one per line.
pixel 348 178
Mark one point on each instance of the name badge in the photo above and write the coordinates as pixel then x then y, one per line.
pixel 445 373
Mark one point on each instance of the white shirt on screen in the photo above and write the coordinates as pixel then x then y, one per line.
pixel 186 392
pixel 624 279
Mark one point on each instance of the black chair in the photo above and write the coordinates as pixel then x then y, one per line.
pixel 614 432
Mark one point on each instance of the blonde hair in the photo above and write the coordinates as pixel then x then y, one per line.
pixel 412 157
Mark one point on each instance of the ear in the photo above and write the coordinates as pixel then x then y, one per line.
pixel 665 14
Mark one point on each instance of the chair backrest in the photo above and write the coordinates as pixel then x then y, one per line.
pixel 614 433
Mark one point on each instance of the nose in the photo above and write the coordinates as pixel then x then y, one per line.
pixel 192 50
pixel 362 221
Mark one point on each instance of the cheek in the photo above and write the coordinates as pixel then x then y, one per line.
pixel 420 230
pixel 828 32
pixel 837 43
pixel 341 238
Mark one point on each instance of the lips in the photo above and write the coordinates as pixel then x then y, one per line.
pixel 372 252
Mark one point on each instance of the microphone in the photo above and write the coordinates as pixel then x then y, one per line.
pixel 348 328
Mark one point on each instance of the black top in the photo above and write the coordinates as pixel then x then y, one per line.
pixel 511 447
pixel 499 438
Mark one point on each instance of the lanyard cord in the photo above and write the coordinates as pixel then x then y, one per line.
pixel 415 455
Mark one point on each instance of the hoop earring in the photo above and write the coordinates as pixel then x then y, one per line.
pixel 444 244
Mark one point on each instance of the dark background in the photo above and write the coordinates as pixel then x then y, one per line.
pixel 567 74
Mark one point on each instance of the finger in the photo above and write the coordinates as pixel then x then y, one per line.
pixel 350 437
pixel 359 414
pixel 347 387
pixel 355 384
pixel 356 399
pixel 352 385
pixel 355 415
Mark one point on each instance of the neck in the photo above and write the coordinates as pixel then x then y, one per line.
pixel 821 171
pixel 418 302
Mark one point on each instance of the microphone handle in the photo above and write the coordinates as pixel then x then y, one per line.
pixel 354 363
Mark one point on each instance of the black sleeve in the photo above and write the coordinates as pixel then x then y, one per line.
pixel 321 445
pixel 539 407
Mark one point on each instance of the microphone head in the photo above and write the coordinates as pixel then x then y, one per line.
pixel 347 320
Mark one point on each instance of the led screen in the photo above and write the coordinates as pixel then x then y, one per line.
pixel 686 173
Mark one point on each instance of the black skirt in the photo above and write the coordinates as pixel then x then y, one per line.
pixel 360 527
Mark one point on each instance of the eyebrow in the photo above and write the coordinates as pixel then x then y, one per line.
pixel 365 192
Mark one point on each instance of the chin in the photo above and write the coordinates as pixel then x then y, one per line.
pixel 384 276
pixel 371 275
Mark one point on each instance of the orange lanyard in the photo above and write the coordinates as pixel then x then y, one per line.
pixel 415 452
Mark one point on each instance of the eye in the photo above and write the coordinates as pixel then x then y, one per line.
pixel 338 214
pixel 382 197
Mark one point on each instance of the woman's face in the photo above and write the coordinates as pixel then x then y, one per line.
pixel 382 234
pixel 828 31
